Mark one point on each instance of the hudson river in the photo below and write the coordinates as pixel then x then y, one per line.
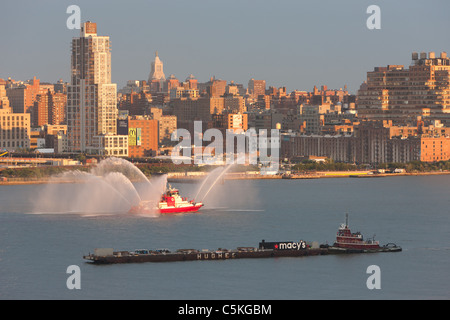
pixel 413 212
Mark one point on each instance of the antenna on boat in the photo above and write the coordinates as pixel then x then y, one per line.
pixel 346 219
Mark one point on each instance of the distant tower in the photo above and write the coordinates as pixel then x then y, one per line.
pixel 256 87
pixel 157 72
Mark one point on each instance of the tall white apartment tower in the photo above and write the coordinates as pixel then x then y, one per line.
pixel 91 97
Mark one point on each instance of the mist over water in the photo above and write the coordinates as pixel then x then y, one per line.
pixel 109 188
pixel 87 194
pixel 115 185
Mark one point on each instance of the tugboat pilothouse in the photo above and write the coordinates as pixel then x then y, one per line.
pixel 171 202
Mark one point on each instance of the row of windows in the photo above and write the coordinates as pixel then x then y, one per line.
pixel 13 118
pixel 116 152
pixel 14 144
pixel 12 125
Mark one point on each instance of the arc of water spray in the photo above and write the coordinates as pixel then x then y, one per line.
pixel 215 181
pixel 201 186
pixel 124 180
pixel 125 163
pixel 109 186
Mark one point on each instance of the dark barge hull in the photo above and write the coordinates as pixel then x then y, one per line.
pixel 194 256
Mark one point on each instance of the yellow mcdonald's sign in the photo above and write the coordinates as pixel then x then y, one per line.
pixel 132 134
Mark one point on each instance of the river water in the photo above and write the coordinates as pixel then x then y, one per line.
pixel 37 247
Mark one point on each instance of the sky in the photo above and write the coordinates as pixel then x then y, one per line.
pixel 289 43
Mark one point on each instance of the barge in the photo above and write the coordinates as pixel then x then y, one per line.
pixel 346 242
pixel 265 250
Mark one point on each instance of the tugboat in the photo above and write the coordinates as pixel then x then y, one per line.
pixel 349 242
pixel 171 202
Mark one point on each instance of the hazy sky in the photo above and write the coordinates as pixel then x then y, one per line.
pixel 296 44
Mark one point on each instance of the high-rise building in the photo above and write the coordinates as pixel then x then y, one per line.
pixel 40 110
pixel 231 121
pixel 91 97
pixel 234 104
pixel 157 72
pixel 216 87
pixel 137 103
pixel 14 127
pixel 167 124
pixel 49 108
pixel 156 78
pixel 22 97
pixel 399 94
pixel 57 108
pixel 192 109
pixel 171 83
pixel 60 86
pixel 256 88
pixel 4 101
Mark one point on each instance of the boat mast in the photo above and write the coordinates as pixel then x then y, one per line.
pixel 346 219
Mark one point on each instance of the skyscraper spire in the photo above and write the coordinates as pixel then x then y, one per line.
pixel 157 72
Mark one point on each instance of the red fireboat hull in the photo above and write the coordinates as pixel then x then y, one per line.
pixel 170 202
pixel 194 208
pixel 169 210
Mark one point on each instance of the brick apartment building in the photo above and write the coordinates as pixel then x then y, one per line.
pixel 373 142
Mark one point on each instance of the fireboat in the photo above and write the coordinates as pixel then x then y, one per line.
pixel 348 242
pixel 171 202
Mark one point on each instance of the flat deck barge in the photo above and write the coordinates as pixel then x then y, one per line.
pixel 265 250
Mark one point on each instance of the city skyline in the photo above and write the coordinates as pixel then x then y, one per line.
pixel 234 46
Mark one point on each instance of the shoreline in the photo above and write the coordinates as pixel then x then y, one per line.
pixel 319 175
pixel 234 176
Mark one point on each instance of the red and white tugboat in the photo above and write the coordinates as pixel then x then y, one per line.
pixel 346 239
pixel 349 242
pixel 171 202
